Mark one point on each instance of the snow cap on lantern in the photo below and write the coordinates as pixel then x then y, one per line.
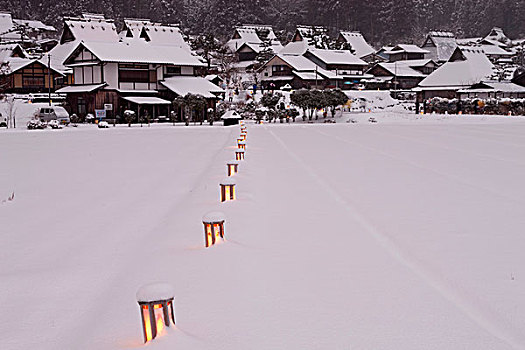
pixel 239 154
pixel 228 190
pixel 213 227
pixel 232 167
pixel 240 139
pixel 242 145
pixel 156 308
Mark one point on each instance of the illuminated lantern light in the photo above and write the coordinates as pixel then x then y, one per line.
pixel 228 190
pixel 213 227
pixel 242 145
pixel 232 167
pixel 243 136
pixel 156 308
pixel 239 154
pixel 240 139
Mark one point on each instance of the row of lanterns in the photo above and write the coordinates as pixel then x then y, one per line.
pixel 156 300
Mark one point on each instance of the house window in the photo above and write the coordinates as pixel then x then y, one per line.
pixel 133 73
pixel 33 81
pixel 82 108
pixel 171 70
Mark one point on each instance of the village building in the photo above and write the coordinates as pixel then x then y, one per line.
pixel 357 43
pixel 24 74
pixel 467 66
pixel 248 41
pixel 383 52
pixel 317 68
pixel 27 33
pixel 493 89
pixel 140 74
pixel 403 52
pixel 401 75
pixel 440 45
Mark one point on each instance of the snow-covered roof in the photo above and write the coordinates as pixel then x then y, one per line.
pixel 408 48
pixel 8 50
pixel 445 43
pixel 495 86
pixel 256 28
pixel 402 68
pixel 146 100
pixel 59 54
pixel 492 50
pixel 340 57
pixel 308 75
pixel 231 115
pixel 466 67
pixel 162 34
pixel 497 35
pixel 441 34
pixel 211 77
pixel 139 52
pixel 155 292
pixel 33 24
pixel 214 216
pixel 192 85
pixel 306 31
pixel 294 48
pixel 6 28
pixel 80 88
pixel 358 43
pixel 92 30
pixel 298 63
pixel 249 35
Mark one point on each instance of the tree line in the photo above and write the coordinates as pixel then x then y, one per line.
pixel 381 21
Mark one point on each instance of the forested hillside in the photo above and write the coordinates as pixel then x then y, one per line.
pixel 381 21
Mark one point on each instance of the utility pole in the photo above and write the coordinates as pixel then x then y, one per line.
pixel 316 86
pixel 49 77
pixel 395 80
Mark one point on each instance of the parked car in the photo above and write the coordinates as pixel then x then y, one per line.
pixel 55 124
pixel 103 125
pixel 59 113
pixel 35 124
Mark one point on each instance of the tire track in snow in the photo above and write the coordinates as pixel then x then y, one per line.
pixel 490 323
pixel 418 166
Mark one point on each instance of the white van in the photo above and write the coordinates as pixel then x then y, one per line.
pixel 46 114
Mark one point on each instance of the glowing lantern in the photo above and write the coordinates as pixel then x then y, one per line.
pixel 239 154
pixel 213 227
pixel 156 308
pixel 228 190
pixel 242 145
pixel 233 168
pixel 242 137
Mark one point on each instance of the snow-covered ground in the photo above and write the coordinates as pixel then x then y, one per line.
pixel 404 234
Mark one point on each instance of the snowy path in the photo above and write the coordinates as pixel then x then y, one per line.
pixel 343 237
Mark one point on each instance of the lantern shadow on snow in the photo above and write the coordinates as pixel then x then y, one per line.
pixel 156 309
pixel 213 228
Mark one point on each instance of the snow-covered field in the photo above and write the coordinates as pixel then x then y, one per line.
pixel 405 234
